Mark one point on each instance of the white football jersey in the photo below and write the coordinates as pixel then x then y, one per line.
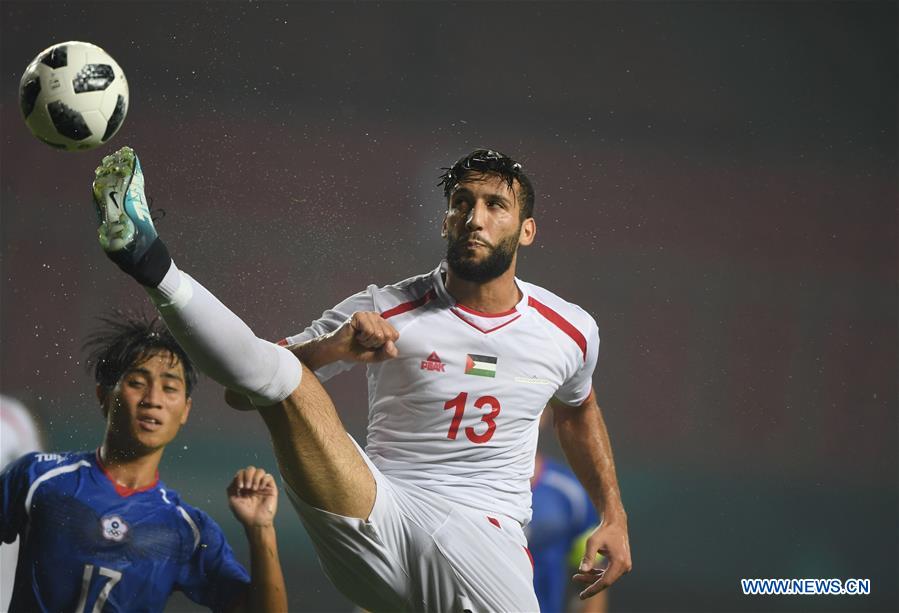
pixel 457 412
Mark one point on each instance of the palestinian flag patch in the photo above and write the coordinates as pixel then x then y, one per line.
pixel 480 365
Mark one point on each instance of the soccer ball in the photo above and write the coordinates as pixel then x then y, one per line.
pixel 74 96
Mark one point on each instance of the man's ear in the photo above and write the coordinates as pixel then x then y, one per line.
pixel 528 232
pixel 443 225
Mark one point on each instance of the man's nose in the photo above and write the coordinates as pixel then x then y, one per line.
pixel 152 397
pixel 475 219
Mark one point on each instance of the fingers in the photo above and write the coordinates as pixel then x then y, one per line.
pixel 600 578
pixel 389 351
pixel 615 549
pixel 251 480
pixel 372 331
pixel 591 551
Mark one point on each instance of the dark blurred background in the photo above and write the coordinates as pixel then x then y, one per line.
pixel 716 184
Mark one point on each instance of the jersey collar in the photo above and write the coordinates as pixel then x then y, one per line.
pixel 448 300
pixel 123 490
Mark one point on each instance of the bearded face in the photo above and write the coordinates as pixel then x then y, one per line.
pixel 483 228
pixel 473 265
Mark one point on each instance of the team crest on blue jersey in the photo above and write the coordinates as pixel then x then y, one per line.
pixel 114 528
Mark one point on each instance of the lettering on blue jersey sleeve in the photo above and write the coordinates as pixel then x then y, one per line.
pixel 213 578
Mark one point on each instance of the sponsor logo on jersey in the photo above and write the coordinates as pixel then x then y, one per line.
pixel 46 457
pixel 114 528
pixel 480 365
pixel 433 363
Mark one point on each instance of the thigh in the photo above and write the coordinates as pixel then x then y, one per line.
pixel 316 456
pixel 355 557
pixel 368 559
pixel 416 551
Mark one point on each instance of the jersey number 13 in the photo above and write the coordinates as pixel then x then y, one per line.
pixel 458 404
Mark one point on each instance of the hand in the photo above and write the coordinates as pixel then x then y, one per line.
pixel 253 497
pixel 364 337
pixel 610 539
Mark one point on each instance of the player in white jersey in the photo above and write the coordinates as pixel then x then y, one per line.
pixel 475 382
pixel 462 361
pixel 18 435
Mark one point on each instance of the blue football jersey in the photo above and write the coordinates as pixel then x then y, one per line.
pixel 562 512
pixel 89 545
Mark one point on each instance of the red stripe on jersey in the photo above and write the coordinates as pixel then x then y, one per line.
pixel 561 323
pixel 124 490
pixel 479 314
pixel 408 306
pixel 494 521
pixel 530 557
pixel 282 343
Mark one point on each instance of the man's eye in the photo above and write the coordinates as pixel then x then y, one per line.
pixel 135 383
pixel 170 389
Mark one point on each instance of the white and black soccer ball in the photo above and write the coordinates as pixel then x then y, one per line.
pixel 74 96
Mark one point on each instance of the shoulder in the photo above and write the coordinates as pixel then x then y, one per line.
pixel 404 296
pixel 203 527
pixel 566 317
pixel 39 470
pixel 40 463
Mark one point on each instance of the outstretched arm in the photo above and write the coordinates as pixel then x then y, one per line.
pixel 253 498
pixel 364 337
pixel 584 439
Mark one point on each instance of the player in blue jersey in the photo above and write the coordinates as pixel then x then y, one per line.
pixel 563 516
pixel 100 532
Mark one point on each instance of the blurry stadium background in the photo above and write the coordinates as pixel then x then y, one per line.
pixel 716 184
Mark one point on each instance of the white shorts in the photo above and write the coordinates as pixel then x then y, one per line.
pixel 419 552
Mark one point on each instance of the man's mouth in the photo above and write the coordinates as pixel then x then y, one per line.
pixel 473 242
pixel 149 423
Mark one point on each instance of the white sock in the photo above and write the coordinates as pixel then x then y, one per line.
pixel 221 344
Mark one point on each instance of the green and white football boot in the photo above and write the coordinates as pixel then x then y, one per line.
pixel 126 231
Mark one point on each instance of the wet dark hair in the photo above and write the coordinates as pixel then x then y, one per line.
pixel 123 339
pixel 481 161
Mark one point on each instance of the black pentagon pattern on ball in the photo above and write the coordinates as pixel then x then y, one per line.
pixel 57 57
pixel 93 78
pixel 68 121
pixel 30 90
pixel 115 121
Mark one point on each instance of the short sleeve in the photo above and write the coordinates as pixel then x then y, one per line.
pixel 15 480
pixel 331 320
pixel 575 390
pixel 213 578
